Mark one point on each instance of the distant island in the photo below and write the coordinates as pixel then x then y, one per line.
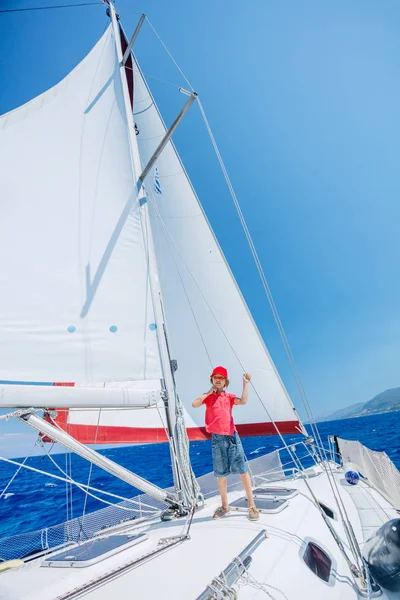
pixel 384 402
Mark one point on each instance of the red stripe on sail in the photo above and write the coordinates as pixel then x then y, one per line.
pixel 106 434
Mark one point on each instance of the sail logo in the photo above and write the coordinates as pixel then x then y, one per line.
pixel 157 185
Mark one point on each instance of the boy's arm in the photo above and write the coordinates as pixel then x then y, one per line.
pixel 199 401
pixel 245 392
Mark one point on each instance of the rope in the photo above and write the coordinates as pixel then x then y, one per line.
pixel 287 448
pixel 16 473
pixel 299 383
pixel 181 456
pixel 170 55
pixel 11 10
pixel 221 329
pixel 368 579
pixel 333 484
pixel 222 591
pixel 70 481
pixel 167 231
pixel 174 85
pixel 68 478
pixel 285 341
pixel 80 485
pixel 189 479
pixel 264 281
pixel 248 579
pixel 89 476
pixel 153 202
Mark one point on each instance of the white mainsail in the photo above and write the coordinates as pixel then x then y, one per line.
pixel 208 324
pixel 78 307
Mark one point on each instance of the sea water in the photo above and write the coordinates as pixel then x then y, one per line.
pixel 34 501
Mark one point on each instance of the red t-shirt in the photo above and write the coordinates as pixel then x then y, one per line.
pixel 219 413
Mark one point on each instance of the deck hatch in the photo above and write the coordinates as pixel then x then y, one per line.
pixel 276 492
pixel 265 505
pixel 93 551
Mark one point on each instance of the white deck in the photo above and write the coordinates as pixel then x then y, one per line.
pixel 184 571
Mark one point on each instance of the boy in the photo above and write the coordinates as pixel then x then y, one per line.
pixel 227 449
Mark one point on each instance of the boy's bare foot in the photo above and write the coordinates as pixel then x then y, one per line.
pixel 221 511
pixel 254 513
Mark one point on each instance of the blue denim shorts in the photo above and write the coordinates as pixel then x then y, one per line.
pixel 228 455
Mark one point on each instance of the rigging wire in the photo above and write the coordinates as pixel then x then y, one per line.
pixel 288 448
pixel 85 489
pixel 153 202
pixel 187 477
pixel 264 281
pixel 80 485
pixel 216 320
pixel 91 488
pixel 260 270
pixel 303 395
pixel 170 55
pixel 3 491
pixel 66 486
pixel 89 477
pixel 342 510
pixel 12 10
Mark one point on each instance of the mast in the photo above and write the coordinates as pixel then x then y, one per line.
pixel 168 391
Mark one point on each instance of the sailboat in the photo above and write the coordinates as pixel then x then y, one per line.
pixel 109 320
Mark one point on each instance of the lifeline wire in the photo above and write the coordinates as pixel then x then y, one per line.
pixel 80 485
pixel 16 473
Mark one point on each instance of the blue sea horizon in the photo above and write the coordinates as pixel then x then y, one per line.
pixel 35 501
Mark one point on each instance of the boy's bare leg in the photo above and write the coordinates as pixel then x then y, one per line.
pixel 247 488
pixel 223 491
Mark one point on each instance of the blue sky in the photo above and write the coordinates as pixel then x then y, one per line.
pixel 303 98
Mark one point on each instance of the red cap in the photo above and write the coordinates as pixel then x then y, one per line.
pixel 220 371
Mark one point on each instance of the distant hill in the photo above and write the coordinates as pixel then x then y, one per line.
pixel 384 402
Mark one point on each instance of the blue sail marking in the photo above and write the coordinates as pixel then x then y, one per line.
pixel 157 185
pixel 6 382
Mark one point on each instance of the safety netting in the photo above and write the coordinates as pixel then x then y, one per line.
pixel 263 469
pixel 80 528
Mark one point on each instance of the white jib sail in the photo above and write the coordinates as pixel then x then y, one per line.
pixel 208 321
pixel 205 328
pixel 75 303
